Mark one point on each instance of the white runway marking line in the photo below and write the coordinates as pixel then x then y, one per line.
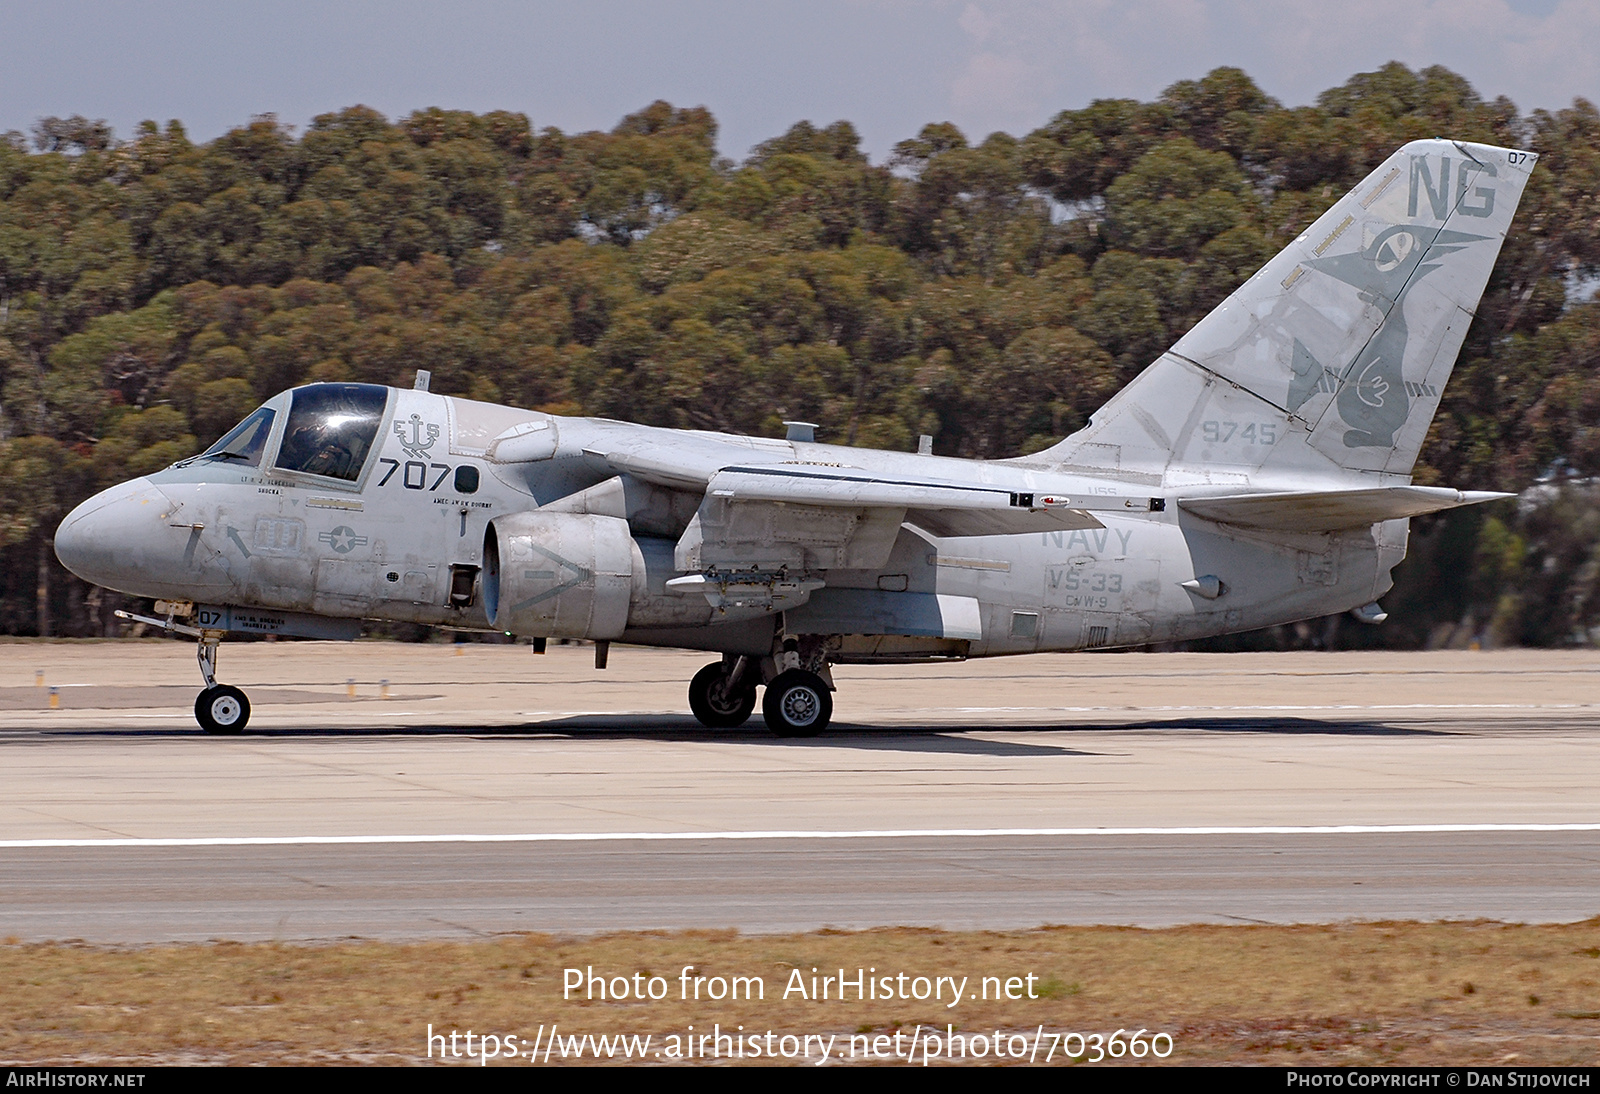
pixel 886 833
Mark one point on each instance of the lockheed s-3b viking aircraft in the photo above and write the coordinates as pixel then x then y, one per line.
pixel 1256 473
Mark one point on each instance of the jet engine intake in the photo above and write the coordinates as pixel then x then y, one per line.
pixel 560 575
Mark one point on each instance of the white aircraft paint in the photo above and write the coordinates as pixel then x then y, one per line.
pixel 1257 473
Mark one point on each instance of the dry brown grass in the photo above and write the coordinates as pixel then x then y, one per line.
pixel 1403 993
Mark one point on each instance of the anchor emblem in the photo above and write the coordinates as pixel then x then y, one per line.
pixel 416 447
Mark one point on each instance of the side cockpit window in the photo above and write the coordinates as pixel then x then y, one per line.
pixel 332 428
pixel 245 442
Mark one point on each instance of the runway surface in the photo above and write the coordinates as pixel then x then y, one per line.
pixel 1263 788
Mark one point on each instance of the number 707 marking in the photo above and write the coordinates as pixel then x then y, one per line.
pixel 422 470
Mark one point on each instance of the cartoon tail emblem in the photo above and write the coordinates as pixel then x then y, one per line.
pixel 1373 400
pixel 1342 342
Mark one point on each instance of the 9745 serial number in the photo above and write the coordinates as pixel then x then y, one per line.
pixel 1239 432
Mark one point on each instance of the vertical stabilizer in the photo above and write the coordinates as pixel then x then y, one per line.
pixel 1332 358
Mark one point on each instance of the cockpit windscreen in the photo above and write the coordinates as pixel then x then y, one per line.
pixel 332 428
pixel 244 442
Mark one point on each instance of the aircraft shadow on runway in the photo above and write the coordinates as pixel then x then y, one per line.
pixel 680 729
pixel 1265 724
pixel 955 739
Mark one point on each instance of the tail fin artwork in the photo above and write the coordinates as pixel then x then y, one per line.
pixel 1330 361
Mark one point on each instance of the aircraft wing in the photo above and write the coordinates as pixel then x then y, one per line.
pixel 1331 510
pixel 690 468
pixel 943 508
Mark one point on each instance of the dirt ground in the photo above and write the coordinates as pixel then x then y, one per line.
pixel 1367 994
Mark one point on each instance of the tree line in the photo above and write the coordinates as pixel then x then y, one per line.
pixel 990 293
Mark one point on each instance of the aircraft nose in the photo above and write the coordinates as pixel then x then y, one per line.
pixel 111 539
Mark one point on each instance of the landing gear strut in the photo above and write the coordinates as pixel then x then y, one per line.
pixel 723 694
pixel 220 708
pixel 799 698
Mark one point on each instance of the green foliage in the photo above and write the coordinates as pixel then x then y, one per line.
pixel 1176 198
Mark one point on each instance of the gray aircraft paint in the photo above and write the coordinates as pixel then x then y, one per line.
pixel 1264 460
pixel 1292 347
pixel 1372 398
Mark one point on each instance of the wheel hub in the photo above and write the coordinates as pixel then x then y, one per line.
pixel 800 706
pixel 722 699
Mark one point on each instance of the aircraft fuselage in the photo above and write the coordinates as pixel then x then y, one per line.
pixel 404 541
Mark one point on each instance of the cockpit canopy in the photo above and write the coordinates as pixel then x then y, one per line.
pixel 331 430
pixel 246 441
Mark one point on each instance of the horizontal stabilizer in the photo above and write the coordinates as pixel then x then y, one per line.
pixel 1331 510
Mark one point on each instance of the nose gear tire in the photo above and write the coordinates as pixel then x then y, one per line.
pixel 222 710
pixel 713 704
pixel 797 704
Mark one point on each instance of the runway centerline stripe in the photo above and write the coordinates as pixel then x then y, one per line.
pixel 884 833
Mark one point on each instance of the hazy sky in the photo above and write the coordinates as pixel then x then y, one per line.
pixel 889 66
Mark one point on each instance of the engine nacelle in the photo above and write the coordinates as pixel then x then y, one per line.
pixel 560 575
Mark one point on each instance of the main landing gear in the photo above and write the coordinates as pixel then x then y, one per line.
pixel 723 694
pixel 220 708
pixel 798 702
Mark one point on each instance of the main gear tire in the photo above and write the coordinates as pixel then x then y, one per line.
pixel 714 705
pixel 797 704
pixel 222 710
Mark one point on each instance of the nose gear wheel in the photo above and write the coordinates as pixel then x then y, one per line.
pixel 222 710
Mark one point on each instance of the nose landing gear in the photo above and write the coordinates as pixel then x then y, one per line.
pixel 221 708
